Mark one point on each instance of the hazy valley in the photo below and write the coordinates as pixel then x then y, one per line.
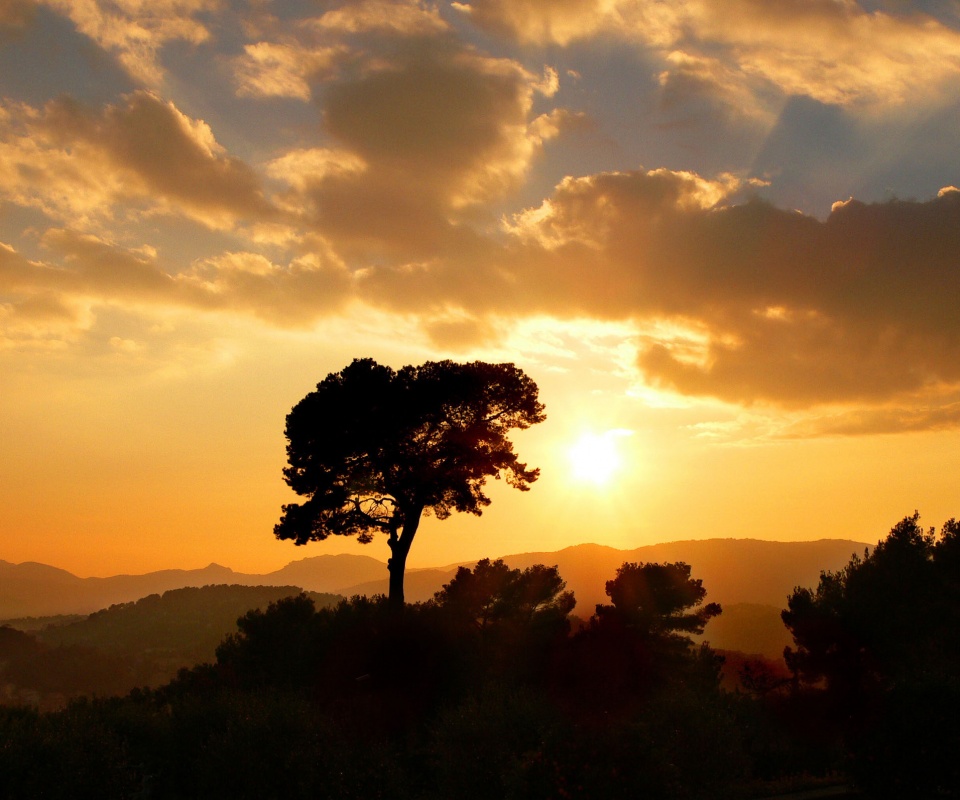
pixel 76 635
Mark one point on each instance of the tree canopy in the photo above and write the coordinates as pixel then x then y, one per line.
pixel 372 449
pixel 877 641
pixel 887 616
pixel 493 593
pixel 659 600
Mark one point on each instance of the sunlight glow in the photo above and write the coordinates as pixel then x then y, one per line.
pixel 595 457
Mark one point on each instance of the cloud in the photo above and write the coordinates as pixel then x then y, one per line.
pixel 831 50
pixel 799 312
pixel 748 304
pixel 420 132
pixel 455 122
pixel 698 90
pixel 296 295
pixel 91 272
pixel 422 143
pixel 282 69
pixel 80 165
pixel 403 17
pixel 836 52
pixel 33 314
pixel 760 305
pixel 135 31
pixel 562 22
pixel 15 15
pixel 298 57
pixel 922 415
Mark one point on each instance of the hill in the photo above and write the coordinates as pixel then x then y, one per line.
pixel 38 590
pixel 182 625
pixel 732 570
pixel 127 645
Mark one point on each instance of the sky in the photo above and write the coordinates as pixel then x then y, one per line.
pixel 723 238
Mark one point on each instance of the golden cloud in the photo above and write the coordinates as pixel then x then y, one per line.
pixel 310 52
pixel 95 272
pixel 81 165
pixel 405 17
pixel 833 51
pixel 544 22
pixel 748 304
pixel 423 141
pixel 775 307
pixel 135 31
pixel 279 69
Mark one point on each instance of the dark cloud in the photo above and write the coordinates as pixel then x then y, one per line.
pixel 781 308
pixel 15 15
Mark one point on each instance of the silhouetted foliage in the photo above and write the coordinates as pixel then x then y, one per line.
pixel 493 594
pixel 658 601
pixel 632 650
pixel 33 671
pixel 880 638
pixel 359 650
pixel 480 693
pixel 511 619
pixel 373 449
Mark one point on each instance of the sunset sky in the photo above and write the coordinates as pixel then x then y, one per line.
pixel 722 237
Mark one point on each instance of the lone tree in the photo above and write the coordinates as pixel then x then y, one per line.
pixel 373 449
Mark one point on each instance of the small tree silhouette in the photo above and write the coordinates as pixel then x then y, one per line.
pixel 658 600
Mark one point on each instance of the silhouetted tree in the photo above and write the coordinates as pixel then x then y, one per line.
pixel 507 623
pixel 493 593
pixel 658 600
pixel 888 615
pixel 636 648
pixel 880 638
pixel 373 449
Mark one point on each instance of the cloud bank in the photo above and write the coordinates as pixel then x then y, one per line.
pixel 421 159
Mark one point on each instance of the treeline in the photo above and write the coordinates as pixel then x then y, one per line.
pixel 487 692
pixel 878 653
pixel 128 645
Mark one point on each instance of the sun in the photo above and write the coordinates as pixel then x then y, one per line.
pixel 595 457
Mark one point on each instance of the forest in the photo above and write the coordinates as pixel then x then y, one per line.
pixel 489 691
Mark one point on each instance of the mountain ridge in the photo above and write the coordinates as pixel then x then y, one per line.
pixel 733 571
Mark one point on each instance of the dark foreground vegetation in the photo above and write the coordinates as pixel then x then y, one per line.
pixel 488 692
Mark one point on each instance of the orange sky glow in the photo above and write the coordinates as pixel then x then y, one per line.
pixel 724 243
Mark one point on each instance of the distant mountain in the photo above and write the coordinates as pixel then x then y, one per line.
pixel 418 584
pixel 732 570
pixel 32 589
pixel 36 590
pixel 328 573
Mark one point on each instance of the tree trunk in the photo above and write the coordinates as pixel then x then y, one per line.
pixel 399 549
